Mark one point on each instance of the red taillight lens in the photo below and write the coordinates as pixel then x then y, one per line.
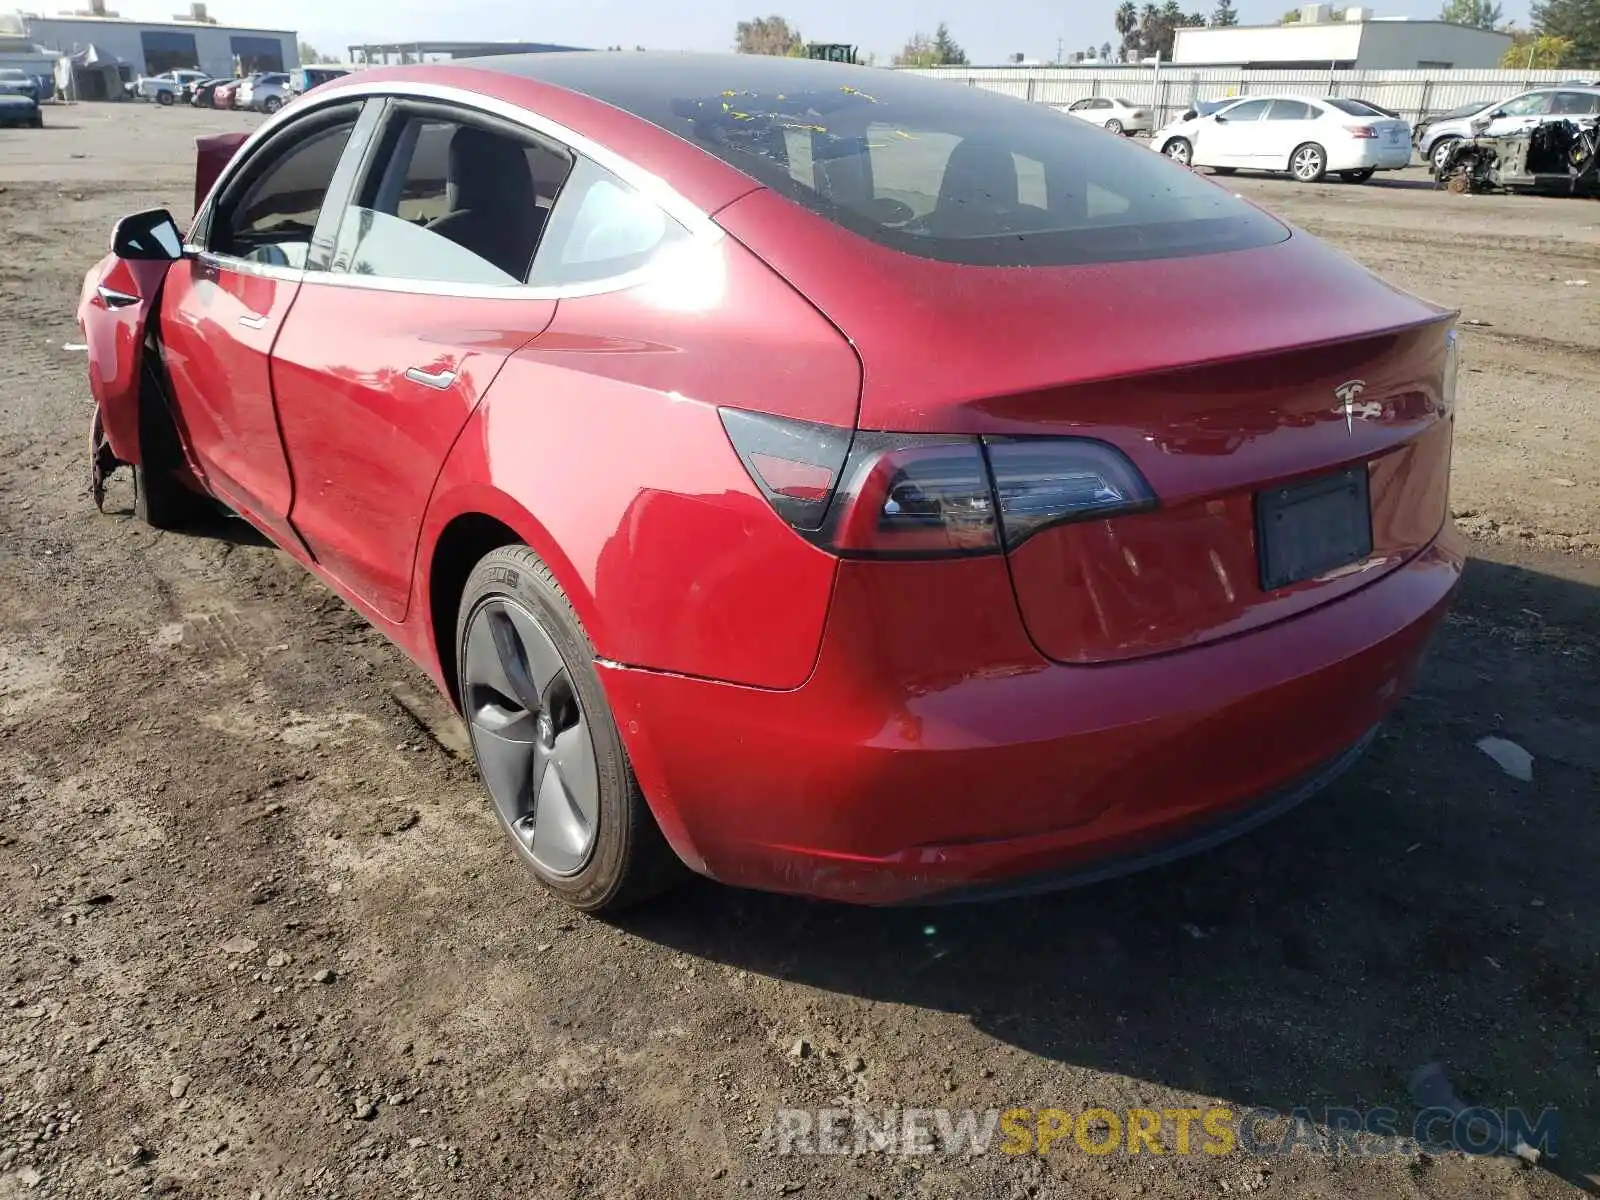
pixel 887 495
pixel 914 496
pixel 1050 481
pixel 1361 131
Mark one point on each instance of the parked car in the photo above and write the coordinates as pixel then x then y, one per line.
pixel 1449 114
pixel 1503 117
pixel 264 93
pixel 16 82
pixel 225 94
pixel 799 603
pixel 165 88
pixel 203 93
pixel 19 105
pixel 1307 136
pixel 1117 116
pixel 306 78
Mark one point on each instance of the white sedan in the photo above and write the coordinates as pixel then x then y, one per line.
pixel 1310 137
pixel 1118 116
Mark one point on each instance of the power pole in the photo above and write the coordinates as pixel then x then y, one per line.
pixel 1058 51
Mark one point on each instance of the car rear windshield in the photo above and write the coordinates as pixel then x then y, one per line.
pixel 928 167
pixel 1354 107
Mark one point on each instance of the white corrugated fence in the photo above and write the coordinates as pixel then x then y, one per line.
pixel 1169 89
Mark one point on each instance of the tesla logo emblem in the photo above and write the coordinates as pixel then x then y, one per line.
pixel 1348 393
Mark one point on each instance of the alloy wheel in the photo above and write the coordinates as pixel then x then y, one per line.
pixel 1178 150
pixel 531 736
pixel 1308 165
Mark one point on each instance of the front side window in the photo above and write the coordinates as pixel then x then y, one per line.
pixel 271 221
pixel 453 201
pixel 1250 110
pixel 600 229
pixel 1532 105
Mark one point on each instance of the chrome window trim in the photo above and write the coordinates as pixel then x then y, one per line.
pixel 694 219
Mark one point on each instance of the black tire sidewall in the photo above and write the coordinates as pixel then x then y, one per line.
pixel 517 574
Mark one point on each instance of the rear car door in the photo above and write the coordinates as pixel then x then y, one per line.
pixel 224 307
pixel 388 352
pixel 1229 139
pixel 1288 123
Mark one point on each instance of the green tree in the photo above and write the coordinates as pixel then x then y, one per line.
pixel 950 54
pixel 940 50
pixel 1293 15
pixel 310 54
pixel 1576 20
pixel 1479 14
pixel 767 35
pixel 1224 13
pixel 1531 51
pixel 1127 22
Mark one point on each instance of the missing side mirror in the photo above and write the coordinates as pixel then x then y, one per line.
pixel 151 236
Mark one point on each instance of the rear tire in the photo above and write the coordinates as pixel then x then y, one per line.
pixel 517 630
pixel 164 99
pixel 1308 163
pixel 1114 126
pixel 1361 176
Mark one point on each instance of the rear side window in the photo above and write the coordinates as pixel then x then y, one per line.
pixel 1293 110
pixel 451 201
pixel 601 228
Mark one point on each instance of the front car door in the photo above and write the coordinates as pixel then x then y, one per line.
pixel 387 353
pixel 223 308
pixel 1229 138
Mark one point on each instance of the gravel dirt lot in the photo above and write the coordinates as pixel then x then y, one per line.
pixel 260 935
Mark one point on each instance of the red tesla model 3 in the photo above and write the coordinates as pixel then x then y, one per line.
pixel 838 481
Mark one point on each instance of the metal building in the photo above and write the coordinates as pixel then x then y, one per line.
pixel 1356 41
pixel 151 47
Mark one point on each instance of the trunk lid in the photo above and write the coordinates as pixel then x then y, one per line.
pixel 1219 376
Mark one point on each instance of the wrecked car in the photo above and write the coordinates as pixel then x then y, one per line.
pixel 1557 158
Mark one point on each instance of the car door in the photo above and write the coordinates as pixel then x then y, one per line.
pixel 386 354
pixel 1521 112
pixel 1228 138
pixel 224 307
pixel 1287 124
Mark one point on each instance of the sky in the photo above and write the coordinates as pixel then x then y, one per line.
pixel 989 30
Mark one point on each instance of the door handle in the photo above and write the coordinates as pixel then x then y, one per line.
pixel 438 380
pixel 114 298
pixel 253 321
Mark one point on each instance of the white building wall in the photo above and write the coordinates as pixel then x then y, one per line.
pixel 1335 41
pixel 122 39
pixel 1368 45
pixel 1412 45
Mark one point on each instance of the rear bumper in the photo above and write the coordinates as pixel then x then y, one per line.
pixel 935 755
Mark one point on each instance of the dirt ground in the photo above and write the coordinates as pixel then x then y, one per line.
pixel 260 935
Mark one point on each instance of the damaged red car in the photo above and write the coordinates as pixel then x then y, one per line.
pixel 836 481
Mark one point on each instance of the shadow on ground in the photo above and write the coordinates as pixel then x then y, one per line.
pixel 1427 908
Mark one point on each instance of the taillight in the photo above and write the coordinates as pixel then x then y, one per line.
pixel 886 495
pixel 1361 131
pixel 796 464
pixel 1049 481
